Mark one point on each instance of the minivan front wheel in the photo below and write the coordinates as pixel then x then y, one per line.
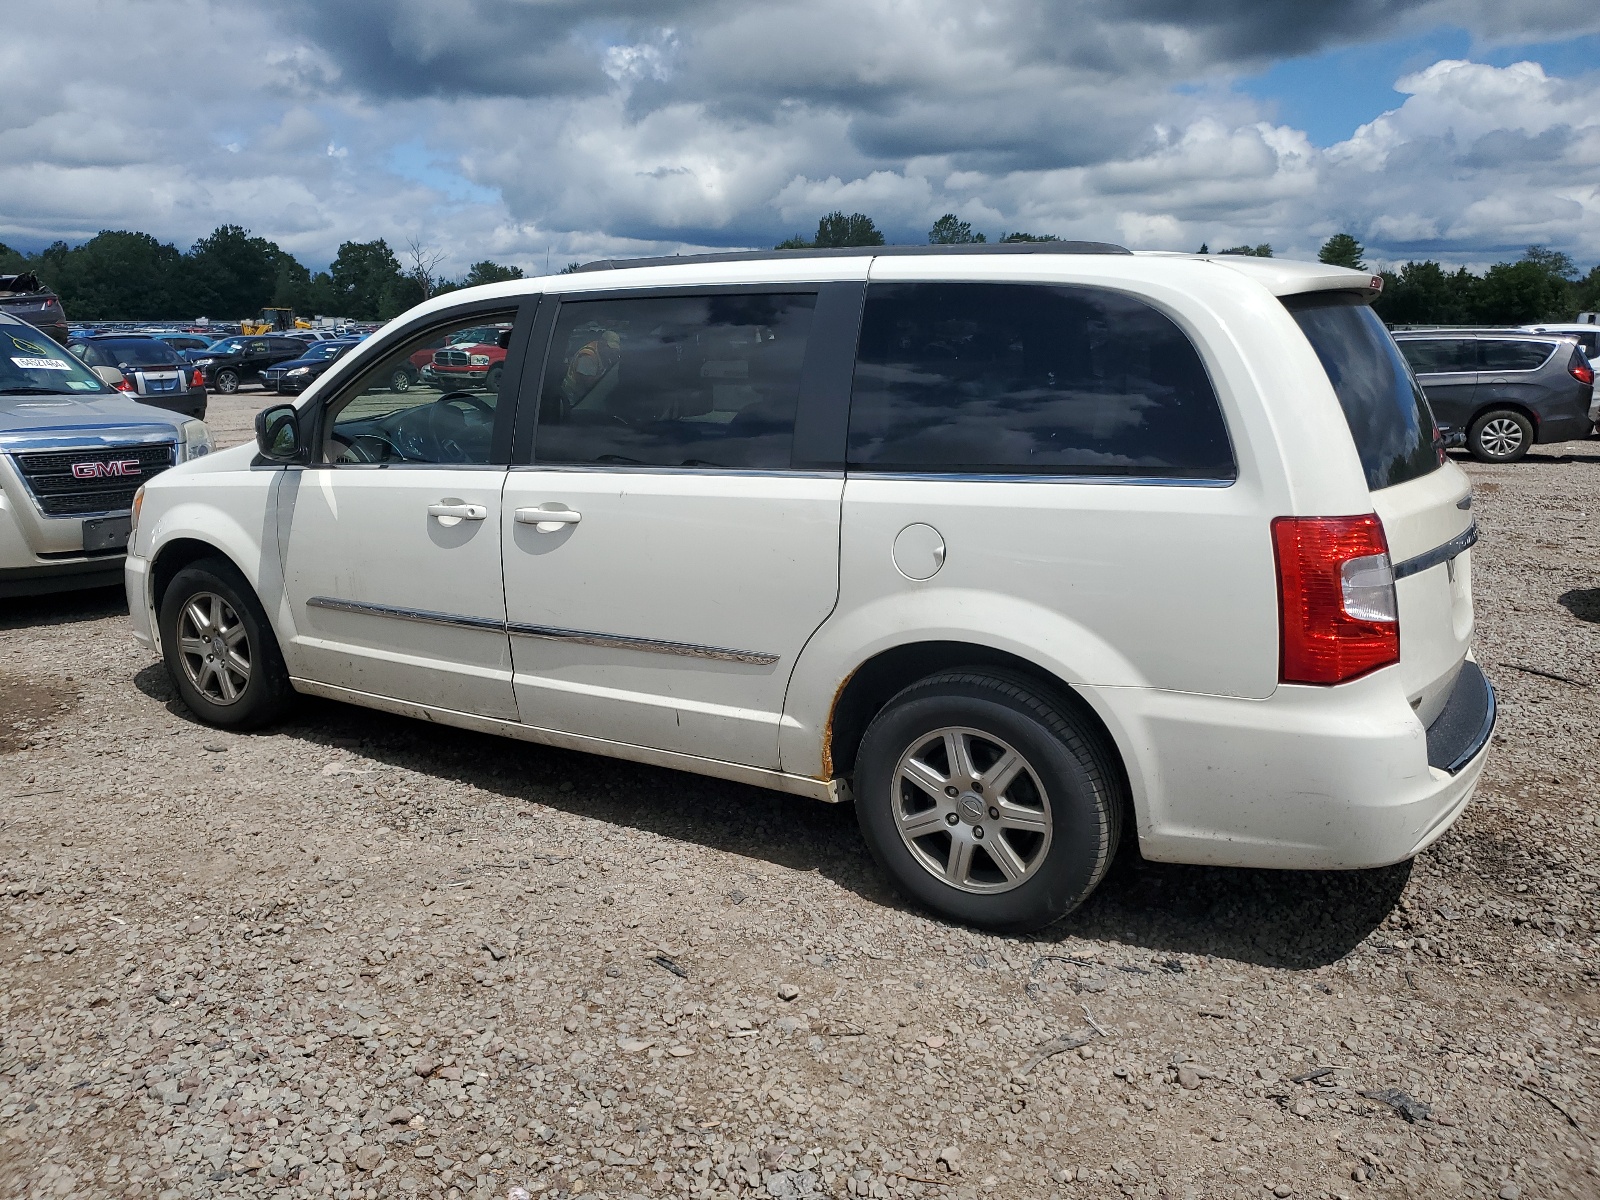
pixel 1501 435
pixel 986 801
pixel 219 649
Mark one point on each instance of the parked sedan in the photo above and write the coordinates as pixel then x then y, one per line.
pixel 295 376
pixel 233 362
pixel 148 370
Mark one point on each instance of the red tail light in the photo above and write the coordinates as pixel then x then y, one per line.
pixel 126 385
pixel 1580 369
pixel 1336 601
pixel 198 379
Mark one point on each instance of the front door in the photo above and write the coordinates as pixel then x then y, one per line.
pixel 391 543
pixel 665 557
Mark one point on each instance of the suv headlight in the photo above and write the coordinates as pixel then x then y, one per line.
pixel 196 440
pixel 204 362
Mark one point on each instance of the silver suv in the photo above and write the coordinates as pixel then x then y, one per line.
pixel 1505 389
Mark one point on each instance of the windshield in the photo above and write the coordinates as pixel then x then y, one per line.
pixel 227 346
pixel 322 350
pixel 1388 415
pixel 31 364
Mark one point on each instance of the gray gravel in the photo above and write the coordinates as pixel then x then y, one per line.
pixel 359 956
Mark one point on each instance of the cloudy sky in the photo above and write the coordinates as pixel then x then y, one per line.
pixel 523 130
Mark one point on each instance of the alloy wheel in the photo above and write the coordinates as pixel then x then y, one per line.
pixel 1500 437
pixel 971 810
pixel 214 648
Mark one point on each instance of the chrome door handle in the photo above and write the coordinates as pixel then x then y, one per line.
pixel 547 520
pixel 462 512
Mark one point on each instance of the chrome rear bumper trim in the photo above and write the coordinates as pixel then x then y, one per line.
pixel 1439 554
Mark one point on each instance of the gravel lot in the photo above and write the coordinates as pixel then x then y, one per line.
pixel 361 956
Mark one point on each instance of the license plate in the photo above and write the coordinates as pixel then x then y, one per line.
pixel 106 533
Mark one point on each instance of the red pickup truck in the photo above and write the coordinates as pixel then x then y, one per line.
pixel 473 358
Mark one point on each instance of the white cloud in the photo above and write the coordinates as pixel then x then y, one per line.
pixel 607 126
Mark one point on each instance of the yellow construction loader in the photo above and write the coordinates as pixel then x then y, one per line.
pixel 273 320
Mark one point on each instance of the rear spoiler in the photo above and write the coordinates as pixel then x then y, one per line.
pixel 25 282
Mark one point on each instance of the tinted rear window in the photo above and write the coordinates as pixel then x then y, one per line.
pixel 1029 378
pixel 136 352
pixel 1515 355
pixel 1387 413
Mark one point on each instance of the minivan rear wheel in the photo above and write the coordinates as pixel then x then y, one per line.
pixel 986 801
pixel 1500 435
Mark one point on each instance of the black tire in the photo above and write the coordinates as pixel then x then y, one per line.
pixel 400 381
pixel 1501 435
pixel 227 381
pixel 1080 785
pixel 265 694
pixel 491 381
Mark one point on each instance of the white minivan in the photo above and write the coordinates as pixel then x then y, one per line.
pixel 1017 547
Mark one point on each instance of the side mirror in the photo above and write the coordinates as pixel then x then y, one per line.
pixel 278 437
pixel 108 375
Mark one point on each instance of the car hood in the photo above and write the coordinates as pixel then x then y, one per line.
pixel 74 414
pixel 302 362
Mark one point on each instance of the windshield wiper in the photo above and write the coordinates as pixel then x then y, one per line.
pixel 31 391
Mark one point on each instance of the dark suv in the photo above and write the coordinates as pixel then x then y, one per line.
pixel 1505 389
pixel 235 361
pixel 26 299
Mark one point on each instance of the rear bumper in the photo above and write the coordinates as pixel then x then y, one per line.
pixel 1308 779
pixel 1564 428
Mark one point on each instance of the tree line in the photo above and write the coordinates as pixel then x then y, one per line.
pixel 1542 285
pixel 124 275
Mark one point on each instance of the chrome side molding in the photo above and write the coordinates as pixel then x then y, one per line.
pixel 549 633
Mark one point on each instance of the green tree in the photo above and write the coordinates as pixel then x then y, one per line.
pixel 793 243
pixel 572 268
pixel 366 280
pixel 11 261
pixel 1532 289
pixel 489 272
pixel 1586 292
pixel 231 274
pixel 1264 250
pixel 115 274
pixel 1342 250
pixel 951 230
pixel 1029 237
pixel 836 229
pixel 1423 293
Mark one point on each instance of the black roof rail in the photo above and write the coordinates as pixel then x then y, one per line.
pixel 674 260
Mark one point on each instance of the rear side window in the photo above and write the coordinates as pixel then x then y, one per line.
pixel 1027 378
pixel 675 381
pixel 1515 355
pixel 1387 413
pixel 1440 356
